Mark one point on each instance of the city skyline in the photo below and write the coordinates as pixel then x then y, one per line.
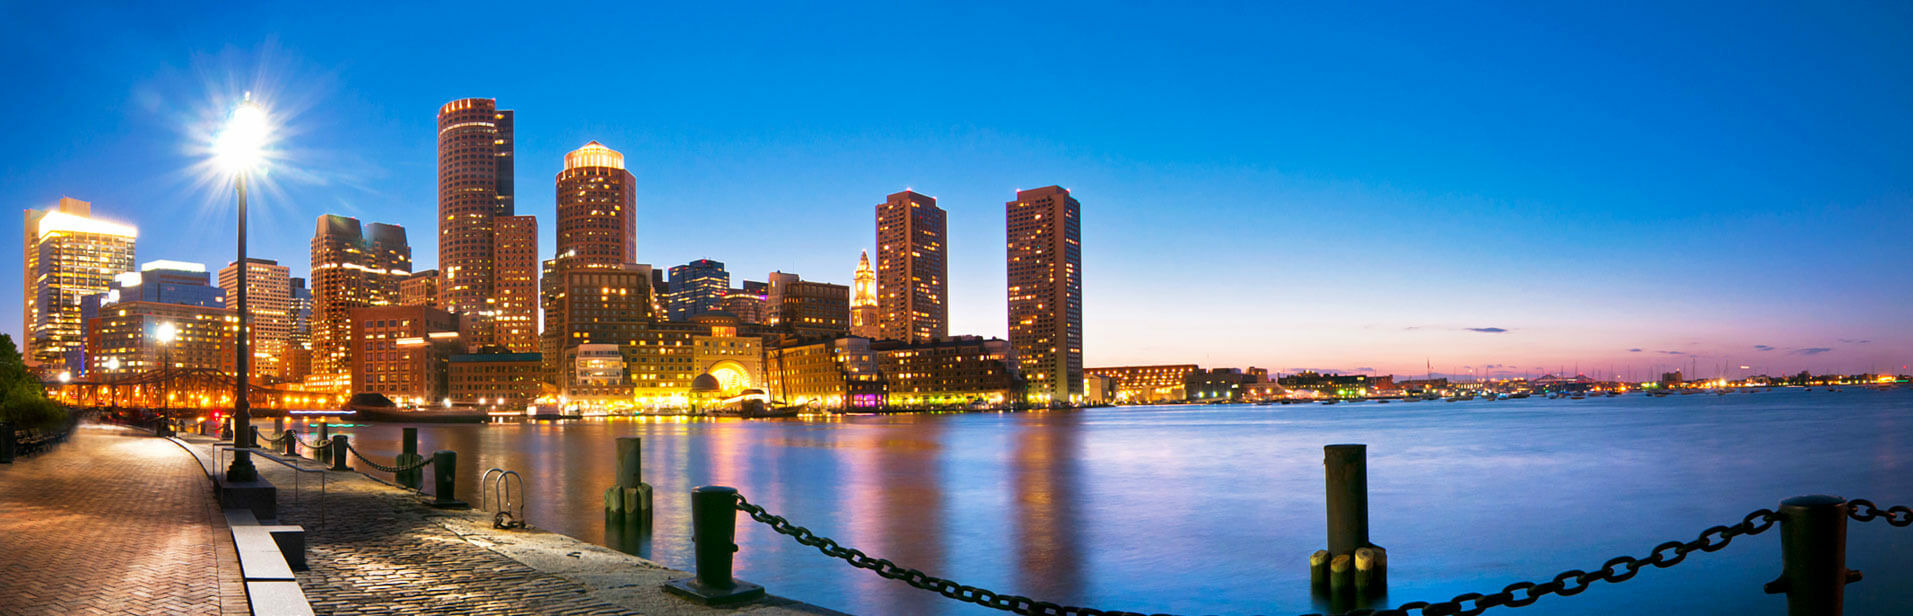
pixel 1451 244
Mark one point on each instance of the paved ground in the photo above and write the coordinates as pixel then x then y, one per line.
pixel 113 522
pixel 375 549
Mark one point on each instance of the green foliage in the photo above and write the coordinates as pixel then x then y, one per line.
pixel 23 402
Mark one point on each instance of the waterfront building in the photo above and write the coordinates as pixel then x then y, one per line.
pixel 352 267
pixel 515 284
pixel 1046 292
pixel 595 377
pixel 69 255
pixel 808 309
pixel 1338 385
pixel 865 319
pixel 1098 389
pixel 911 270
pixel 751 308
pixel 475 188
pixel 697 287
pixel 839 374
pixel 1148 384
pixel 1219 384
pixel 502 381
pixel 419 289
pixel 597 226
pixel 126 338
pixel 594 305
pixel 959 372
pixel 402 352
pixel 669 357
pixel 269 312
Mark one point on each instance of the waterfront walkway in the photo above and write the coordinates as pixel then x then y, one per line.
pixel 114 521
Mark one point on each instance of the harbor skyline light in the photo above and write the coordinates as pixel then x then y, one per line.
pixel 1488 190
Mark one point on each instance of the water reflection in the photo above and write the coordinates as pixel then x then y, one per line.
pixel 1046 523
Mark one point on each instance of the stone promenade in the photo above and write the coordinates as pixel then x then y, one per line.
pixel 376 549
pixel 113 522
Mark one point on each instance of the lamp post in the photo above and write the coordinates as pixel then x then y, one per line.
pixel 240 149
pixel 166 333
pixel 112 376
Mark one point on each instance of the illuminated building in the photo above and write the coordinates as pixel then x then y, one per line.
pixel 808 309
pixel 697 287
pixel 1220 384
pixel 1098 389
pixel 1046 292
pixel 505 381
pixel 475 188
pixel 419 289
pixel 269 300
pixel 865 320
pixel 69 255
pixel 595 376
pixel 1147 384
pixel 1339 385
pixel 402 352
pixel 911 271
pixel 298 361
pixel 351 268
pixel 669 356
pixel 597 305
pixel 515 284
pixel 126 335
pixel 160 282
pixel 749 307
pixel 959 372
pixel 839 374
pixel 596 224
pixel 736 361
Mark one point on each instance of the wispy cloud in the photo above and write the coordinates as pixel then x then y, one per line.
pixel 1846 340
pixel 1629 350
pixel 1672 352
pixel 1757 347
pixel 1487 330
pixel 1811 351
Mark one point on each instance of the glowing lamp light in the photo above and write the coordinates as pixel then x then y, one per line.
pixel 166 333
pixel 241 146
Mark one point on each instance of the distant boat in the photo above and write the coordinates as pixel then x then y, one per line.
pixel 1331 401
pixel 377 407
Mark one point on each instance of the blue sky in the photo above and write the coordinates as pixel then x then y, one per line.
pixel 1338 187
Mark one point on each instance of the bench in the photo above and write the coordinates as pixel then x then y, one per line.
pixel 277 598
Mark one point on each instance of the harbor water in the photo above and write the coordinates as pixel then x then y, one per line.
pixel 1214 509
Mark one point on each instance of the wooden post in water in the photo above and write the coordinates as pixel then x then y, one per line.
pixel 630 498
pixel 1355 564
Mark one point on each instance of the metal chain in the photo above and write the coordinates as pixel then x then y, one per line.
pixel 1519 594
pixel 1865 511
pixel 322 444
pixel 390 469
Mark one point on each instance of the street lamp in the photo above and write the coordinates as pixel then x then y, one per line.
pixel 240 149
pixel 165 334
pixel 112 375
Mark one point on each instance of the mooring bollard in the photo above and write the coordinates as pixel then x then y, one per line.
pixel 338 453
pixel 292 442
pixel 252 437
pixel 323 453
pixel 1345 470
pixel 408 456
pixel 444 476
pixel 1813 550
pixel 714 531
pixel 630 498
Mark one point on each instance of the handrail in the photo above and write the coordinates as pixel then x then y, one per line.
pixel 501 486
pixel 298 471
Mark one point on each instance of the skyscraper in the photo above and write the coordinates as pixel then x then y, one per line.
pixel 1046 292
pixel 269 300
pixel 351 268
pixel 911 272
pixel 696 288
pixel 515 289
pixel 474 189
pixel 864 319
pixel 69 255
pixel 596 225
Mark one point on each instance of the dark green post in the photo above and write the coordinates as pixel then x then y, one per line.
pixel 338 453
pixel 1346 467
pixel 630 498
pixel 444 476
pixel 714 530
pixel 1813 550
pixel 292 442
pixel 408 456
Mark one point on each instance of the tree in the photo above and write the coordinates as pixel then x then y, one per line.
pixel 23 401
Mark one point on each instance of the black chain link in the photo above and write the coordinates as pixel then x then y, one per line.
pixel 390 469
pixel 1567 583
pixel 1864 510
pixel 281 438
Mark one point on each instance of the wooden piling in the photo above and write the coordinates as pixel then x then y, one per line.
pixel 1318 569
pixel 1341 577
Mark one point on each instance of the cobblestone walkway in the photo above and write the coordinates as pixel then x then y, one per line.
pixel 113 522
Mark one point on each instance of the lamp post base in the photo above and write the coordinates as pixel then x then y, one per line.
pixel 242 468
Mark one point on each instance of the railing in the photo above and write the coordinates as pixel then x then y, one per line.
pixel 298 472
pixel 496 484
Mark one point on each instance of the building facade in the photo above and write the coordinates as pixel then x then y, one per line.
pixel 69 255
pixel 515 284
pixel 808 309
pixel 839 375
pixel 501 381
pixel 1046 292
pixel 597 305
pixel 865 319
pixel 353 266
pixel 419 289
pixel 403 352
pixel 268 312
pixel 1148 384
pixel 911 269
pixel 960 372
pixel 696 288
pixel 475 188
pixel 596 224
pixel 130 338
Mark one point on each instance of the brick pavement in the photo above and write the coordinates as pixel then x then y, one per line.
pixel 113 522
pixel 380 550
